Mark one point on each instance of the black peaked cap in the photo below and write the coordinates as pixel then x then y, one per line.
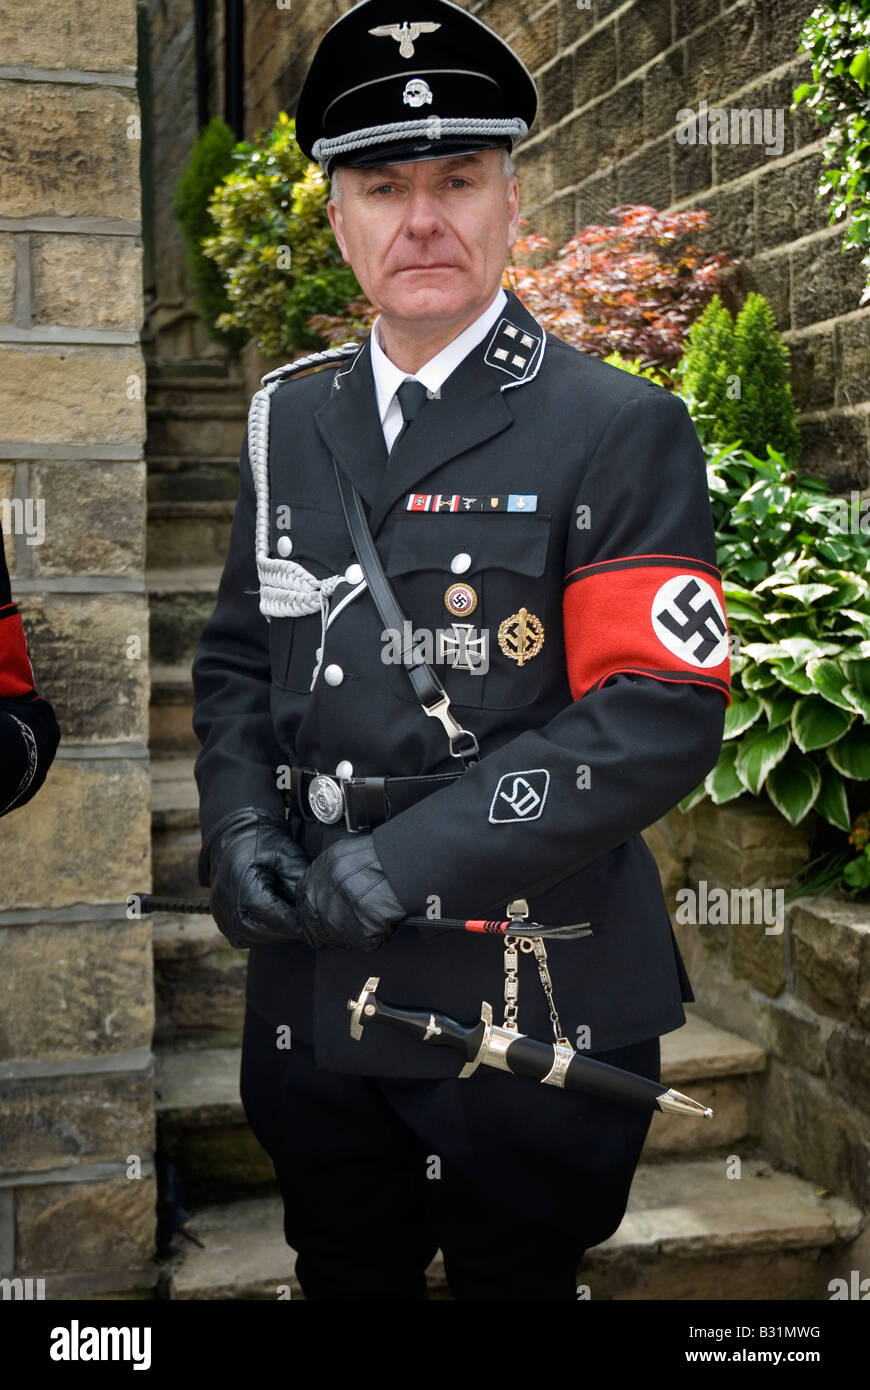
pixel 430 81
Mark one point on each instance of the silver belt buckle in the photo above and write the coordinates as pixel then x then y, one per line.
pixel 326 799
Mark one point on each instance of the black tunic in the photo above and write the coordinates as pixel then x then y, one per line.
pixel 585 744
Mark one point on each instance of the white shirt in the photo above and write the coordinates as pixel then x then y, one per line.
pixel 433 374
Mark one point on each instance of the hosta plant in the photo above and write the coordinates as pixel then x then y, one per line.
pixel 796 590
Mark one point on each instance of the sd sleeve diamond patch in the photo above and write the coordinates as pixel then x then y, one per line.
pixel 520 796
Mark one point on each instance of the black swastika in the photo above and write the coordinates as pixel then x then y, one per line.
pixel 697 620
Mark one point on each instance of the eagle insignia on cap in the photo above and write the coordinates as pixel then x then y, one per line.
pixel 417 93
pixel 406 35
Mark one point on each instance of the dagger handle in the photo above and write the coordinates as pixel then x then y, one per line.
pixel 426 1026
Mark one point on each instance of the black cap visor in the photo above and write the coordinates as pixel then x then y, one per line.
pixel 409 151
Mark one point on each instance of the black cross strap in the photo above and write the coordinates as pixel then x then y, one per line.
pixel 427 687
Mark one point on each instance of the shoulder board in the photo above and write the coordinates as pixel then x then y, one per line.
pixel 330 358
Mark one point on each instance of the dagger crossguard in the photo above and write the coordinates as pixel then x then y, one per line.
pixel 358 1007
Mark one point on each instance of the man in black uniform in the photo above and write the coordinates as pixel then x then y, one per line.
pixel 544 522
pixel 29 734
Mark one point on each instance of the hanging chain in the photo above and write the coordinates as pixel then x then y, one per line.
pixel 517 911
pixel 544 972
pixel 511 983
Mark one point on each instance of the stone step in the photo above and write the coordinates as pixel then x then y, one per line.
pixel 171 712
pixel 717 1067
pixel 202 1128
pixel 199 983
pixel 161 369
pixel 215 427
pixel 200 1111
pixel 243 1254
pixel 185 478
pixel 693 1232
pixel 175 387
pixel 175 837
pixel 181 533
pixel 174 799
pixel 688 1234
pixel 181 603
pixel 174 333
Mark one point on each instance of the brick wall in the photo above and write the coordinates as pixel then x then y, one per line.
pixel 76 1082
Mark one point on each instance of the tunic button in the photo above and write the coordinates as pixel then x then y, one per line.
pixel 333 675
pixel 354 574
pixel 344 769
pixel 460 563
pixel 285 546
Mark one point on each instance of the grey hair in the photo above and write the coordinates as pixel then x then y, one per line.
pixel 508 168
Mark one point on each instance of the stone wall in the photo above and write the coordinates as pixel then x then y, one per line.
pixel 798 984
pixel 172 327
pixel 77 1188
pixel 172 59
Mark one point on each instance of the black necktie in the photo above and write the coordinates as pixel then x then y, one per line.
pixel 412 396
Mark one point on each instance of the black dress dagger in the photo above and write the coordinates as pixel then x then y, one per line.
pixel 552 1064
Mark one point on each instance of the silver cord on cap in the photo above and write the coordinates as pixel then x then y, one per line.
pixel 326 149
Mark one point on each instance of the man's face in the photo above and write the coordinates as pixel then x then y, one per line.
pixel 428 239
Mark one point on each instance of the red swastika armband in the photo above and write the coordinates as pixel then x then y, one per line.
pixel 16 676
pixel 653 615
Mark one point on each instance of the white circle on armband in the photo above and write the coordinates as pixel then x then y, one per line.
pixel 688 619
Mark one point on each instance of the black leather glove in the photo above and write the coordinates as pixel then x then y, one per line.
pixel 345 898
pixel 254 867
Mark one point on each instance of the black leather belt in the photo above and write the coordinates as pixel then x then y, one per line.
pixel 363 802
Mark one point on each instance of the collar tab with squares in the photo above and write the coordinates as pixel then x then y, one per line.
pixel 514 349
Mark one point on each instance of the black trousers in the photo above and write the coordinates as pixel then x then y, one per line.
pixel 512 1180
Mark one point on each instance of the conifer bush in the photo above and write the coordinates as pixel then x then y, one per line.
pixel 210 160
pixel 737 376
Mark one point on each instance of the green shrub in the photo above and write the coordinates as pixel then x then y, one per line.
pixel 765 413
pixel 636 367
pixel 210 160
pixel 274 245
pixel 737 377
pixel 706 365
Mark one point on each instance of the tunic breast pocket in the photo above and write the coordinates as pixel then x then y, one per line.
pixel 322 546
pixel 475 592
